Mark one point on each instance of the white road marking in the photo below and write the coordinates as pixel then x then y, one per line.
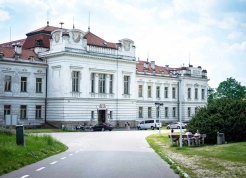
pixel 64 158
pixel 40 169
pixel 71 155
pixel 54 162
pixel 24 176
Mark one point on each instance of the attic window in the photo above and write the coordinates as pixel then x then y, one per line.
pixel 105 44
pixel 39 43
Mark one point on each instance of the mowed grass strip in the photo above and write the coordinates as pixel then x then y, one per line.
pixel 38 147
pixel 227 160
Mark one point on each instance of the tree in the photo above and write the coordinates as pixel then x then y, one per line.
pixel 222 115
pixel 211 94
pixel 231 89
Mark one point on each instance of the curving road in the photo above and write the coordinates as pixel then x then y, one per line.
pixel 115 154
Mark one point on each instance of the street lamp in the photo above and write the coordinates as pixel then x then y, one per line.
pixel 158 104
pixel 180 112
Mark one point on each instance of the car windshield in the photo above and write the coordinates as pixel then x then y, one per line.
pixel 157 121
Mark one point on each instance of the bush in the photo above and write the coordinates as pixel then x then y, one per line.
pixel 221 115
pixel 7 131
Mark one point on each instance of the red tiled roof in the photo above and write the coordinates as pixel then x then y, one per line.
pixel 45 28
pixel 10 53
pixel 30 41
pixel 140 68
pixel 11 43
pixel 92 39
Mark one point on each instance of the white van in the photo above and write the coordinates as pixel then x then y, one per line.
pixel 151 123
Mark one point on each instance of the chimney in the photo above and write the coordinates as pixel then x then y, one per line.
pixel 31 58
pixel 18 49
pixel 153 65
pixel 167 67
pixel 1 55
pixel 146 65
pixel 16 56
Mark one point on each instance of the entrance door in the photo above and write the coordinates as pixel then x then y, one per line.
pixel 102 116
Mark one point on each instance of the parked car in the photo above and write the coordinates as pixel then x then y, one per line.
pixel 80 127
pixel 102 127
pixel 176 125
pixel 152 124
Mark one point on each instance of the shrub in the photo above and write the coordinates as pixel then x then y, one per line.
pixel 7 131
pixel 221 115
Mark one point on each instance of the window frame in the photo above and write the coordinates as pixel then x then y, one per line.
pixel 174 92
pixel 7 83
pixel 174 112
pixel 189 93
pixel 196 93
pixel 111 79
pixel 7 109
pixel 23 84
pixel 23 111
pixel 149 112
pixel 75 81
pixel 189 112
pixel 166 92
pixel 126 84
pixel 92 82
pixel 140 90
pixel 38 112
pixel 157 91
pixel 102 83
pixel 140 112
pixel 38 85
pixel 149 91
pixel 166 112
pixel 203 93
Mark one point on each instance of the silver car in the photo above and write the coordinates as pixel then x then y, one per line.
pixel 176 125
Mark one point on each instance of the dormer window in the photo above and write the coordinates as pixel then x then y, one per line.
pixel 204 73
pixel 188 72
pixel 39 43
pixel 105 44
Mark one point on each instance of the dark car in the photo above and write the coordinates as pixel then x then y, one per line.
pixel 102 127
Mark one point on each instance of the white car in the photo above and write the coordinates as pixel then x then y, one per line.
pixel 176 125
pixel 149 124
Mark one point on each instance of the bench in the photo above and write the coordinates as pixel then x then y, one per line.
pixel 174 139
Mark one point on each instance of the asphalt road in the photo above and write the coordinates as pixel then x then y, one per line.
pixel 115 154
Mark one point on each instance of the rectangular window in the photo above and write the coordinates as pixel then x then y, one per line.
pixel 38 112
pixel 149 91
pixel 126 84
pixel 166 111
pixel 23 112
pixel 23 84
pixel 140 90
pixel 92 114
pixel 196 110
pixel 189 93
pixel 174 111
pixel 189 112
pixel 140 112
pixel 75 81
pixel 196 93
pixel 166 92
pixel 157 92
pixel 110 84
pixel 6 109
pixel 102 82
pixel 157 112
pixel 174 92
pixel 149 112
pixel 111 114
pixel 7 86
pixel 92 82
pixel 203 94
pixel 38 85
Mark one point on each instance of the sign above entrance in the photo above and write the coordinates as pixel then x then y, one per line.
pixel 102 106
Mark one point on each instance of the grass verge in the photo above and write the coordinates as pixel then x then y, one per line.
pixel 37 147
pixel 227 160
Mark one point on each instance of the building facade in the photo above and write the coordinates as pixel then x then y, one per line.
pixel 65 76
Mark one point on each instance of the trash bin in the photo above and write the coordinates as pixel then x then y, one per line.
pixel 220 138
pixel 20 135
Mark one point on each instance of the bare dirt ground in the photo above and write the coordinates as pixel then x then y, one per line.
pixel 208 167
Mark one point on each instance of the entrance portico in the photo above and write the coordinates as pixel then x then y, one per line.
pixel 102 113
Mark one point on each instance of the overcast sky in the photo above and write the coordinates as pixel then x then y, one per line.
pixel 212 31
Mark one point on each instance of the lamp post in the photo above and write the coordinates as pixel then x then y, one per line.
pixel 158 104
pixel 180 102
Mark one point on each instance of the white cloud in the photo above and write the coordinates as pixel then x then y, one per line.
pixel 234 35
pixel 4 15
pixel 166 14
pixel 237 47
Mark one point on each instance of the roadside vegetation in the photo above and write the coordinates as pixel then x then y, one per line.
pixel 38 147
pixel 227 160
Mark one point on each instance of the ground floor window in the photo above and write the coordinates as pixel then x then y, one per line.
pixel 7 109
pixel 38 111
pixel 92 114
pixel 140 112
pixel 111 114
pixel 23 112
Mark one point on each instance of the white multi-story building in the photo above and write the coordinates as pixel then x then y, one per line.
pixel 62 76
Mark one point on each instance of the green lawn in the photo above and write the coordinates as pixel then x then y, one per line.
pixel 13 157
pixel 227 160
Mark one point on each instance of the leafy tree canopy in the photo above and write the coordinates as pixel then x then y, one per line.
pixel 231 89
